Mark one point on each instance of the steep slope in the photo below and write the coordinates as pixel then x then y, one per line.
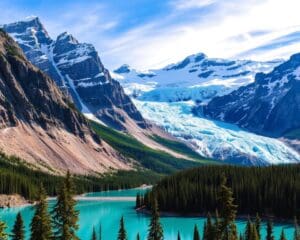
pixel 270 105
pixel 78 70
pixel 196 78
pixel 168 98
pixel 39 124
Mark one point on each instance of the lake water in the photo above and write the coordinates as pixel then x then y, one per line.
pixel 108 214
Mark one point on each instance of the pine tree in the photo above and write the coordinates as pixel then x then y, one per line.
pixel 196 235
pixel 248 230
pixel 155 228
pixel 269 230
pixel 209 233
pixel 282 235
pixel 94 236
pixel 122 232
pixel 138 237
pixel 258 225
pixel 138 201
pixel 100 232
pixel 41 221
pixel 297 230
pixel 18 232
pixel 65 217
pixel 3 235
pixel 227 228
pixel 178 236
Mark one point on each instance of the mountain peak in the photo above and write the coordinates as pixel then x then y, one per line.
pixel 67 37
pixel 125 68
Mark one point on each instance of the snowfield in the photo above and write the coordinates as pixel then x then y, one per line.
pixel 219 140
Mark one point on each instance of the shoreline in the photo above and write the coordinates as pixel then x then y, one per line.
pixel 238 217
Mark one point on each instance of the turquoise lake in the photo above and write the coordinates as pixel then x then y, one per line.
pixel 108 213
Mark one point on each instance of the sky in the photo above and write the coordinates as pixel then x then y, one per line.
pixel 148 34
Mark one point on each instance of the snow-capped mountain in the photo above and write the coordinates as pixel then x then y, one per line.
pixel 270 105
pixel 197 78
pixel 169 97
pixel 78 70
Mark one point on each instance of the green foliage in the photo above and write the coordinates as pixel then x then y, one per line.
pixel 155 160
pixel 273 190
pixel 21 178
pixel 94 236
pixel 182 148
pixel 122 231
pixel 297 230
pixel 65 217
pixel 3 234
pixel 18 232
pixel 41 221
pixel 196 235
pixel 155 228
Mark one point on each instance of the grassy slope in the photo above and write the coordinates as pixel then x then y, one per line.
pixel 155 160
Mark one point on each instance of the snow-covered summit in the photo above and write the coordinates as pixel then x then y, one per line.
pixel 197 78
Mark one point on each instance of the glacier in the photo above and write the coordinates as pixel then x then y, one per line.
pixel 215 139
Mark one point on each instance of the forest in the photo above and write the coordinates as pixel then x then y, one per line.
pixel 268 191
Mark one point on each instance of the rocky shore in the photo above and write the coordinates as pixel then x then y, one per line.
pixel 12 201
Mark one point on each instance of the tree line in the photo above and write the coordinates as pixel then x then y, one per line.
pixel 62 222
pixel 17 177
pixel 269 191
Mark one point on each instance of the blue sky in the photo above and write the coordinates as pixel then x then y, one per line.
pixel 152 33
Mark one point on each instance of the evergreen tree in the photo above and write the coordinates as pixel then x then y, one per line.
pixel 297 230
pixel 270 230
pixel 258 225
pixel 196 235
pixel 122 232
pixel 94 236
pixel 138 237
pixel 155 228
pixel 282 235
pixel 227 228
pixel 178 236
pixel 18 232
pixel 100 232
pixel 41 222
pixel 248 230
pixel 210 229
pixel 65 216
pixel 138 201
pixel 3 235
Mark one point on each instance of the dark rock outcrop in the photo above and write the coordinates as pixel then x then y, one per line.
pixel 270 105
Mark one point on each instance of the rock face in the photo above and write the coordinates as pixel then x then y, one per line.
pixel 197 78
pixel 78 71
pixel 39 123
pixel 270 105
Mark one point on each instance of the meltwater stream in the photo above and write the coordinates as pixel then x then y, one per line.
pixel 107 213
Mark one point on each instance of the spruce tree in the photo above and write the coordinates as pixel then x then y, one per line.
pixel 138 201
pixel 282 235
pixel 210 231
pixel 178 236
pixel 258 225
pixel 65 217
pixel 155 228
pixel 3 235
pixel 100 232
pixel 94 236
pixel 196 235
pixel 138 237
pixel 18 232
pixel 41 222
pixel 269 230
pixel 227 228
pixel 122 232
pixel 297 230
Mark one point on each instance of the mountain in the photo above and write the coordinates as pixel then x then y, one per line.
pixel 40 124
pixel 78 71
pixel 269 106
pixel 169 96
pixel 196 78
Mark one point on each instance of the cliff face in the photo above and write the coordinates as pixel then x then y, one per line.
pixel 78 71
pixel 270 105
pixel 38 122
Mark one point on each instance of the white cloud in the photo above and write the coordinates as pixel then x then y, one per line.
pixel 187 4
